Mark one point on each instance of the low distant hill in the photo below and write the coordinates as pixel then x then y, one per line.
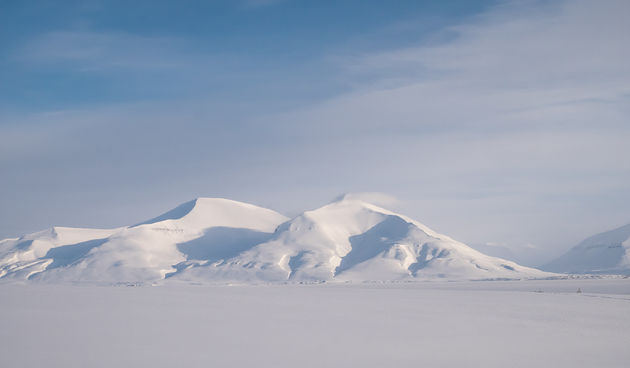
pixel 605 253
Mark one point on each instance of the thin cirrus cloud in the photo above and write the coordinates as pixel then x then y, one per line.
pixel 254 4
pixel 526 108
pixel 511 60
pixel 69 68
pixel 101 51
pixel 111 66
pixel 508 128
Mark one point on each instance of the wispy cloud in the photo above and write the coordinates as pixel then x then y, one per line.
pixel 508 63
pixel 102 51
pixel 255 4
pixel 527 103
pixel 511 127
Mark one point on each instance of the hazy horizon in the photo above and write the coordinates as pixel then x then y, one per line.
pixel 498 123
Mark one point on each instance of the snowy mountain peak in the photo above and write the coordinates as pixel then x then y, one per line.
pixel 375 198
pixel 220 240
pixel 615 236
pixel 350 239
pixel 356 207
pixel 607 253
pixel 212 212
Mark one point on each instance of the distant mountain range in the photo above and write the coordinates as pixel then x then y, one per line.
pixel 220 240
pixel 605 253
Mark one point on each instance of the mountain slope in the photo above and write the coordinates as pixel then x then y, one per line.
pixel 353 240
pixel 605 253
pixel 34 253
pixel 143 252
pixel 218 240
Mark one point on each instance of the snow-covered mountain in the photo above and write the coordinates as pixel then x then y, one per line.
pixel 605 253
pixel 143 252
pixel 219 240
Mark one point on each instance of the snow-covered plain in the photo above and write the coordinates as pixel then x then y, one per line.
pixel 542 323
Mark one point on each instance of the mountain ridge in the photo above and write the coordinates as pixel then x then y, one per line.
pixel 221 240
pixel 607 252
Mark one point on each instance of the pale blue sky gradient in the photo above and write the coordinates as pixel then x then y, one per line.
pixel 501 122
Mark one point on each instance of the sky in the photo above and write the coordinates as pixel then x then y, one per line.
pixel 504 124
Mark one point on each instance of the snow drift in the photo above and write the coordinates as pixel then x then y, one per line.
pixel 219 240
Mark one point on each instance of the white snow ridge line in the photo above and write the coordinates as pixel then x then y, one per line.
pixel 214 240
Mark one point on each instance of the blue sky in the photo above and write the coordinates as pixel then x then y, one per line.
pixel 496 122
pixel 117 52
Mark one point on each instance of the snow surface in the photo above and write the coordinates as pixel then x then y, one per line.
pixel 605 253
pixel 219 240
pixel 353 240
pixel 422 324
pixel 143 252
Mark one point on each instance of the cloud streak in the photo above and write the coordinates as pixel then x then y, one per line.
pixel 510 128
pixel 528 104
pixel 102 51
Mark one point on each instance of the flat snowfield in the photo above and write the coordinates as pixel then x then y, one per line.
pixel 431 324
